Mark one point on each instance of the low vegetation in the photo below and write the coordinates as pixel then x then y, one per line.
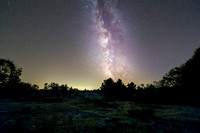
pixel 79 115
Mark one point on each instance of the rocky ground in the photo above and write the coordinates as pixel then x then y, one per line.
pixel 85 116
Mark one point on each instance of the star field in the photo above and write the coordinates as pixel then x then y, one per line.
pixel 83 42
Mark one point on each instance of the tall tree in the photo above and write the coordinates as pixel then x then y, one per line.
pixel 107 86
pixel 9 73
pixel 182 83
pixel 186 75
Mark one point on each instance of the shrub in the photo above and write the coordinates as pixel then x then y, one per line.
pixel 141 113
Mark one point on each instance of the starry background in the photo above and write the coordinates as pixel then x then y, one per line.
pixel 83 42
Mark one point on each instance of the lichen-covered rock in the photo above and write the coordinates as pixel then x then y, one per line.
pixel 92 96
pixel 8 126
pixel 127 123
pixel 105 125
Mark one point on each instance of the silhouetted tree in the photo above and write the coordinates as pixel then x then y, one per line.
pixel 150 92
pixel 108 87
pixel 131 89
pixel 117 90
pixel 46 86
pixel 173 77
pixel 182 83
pixel 9 73
pixel 132 86
pixel 185 75
pixel 9 77
pixel 26 90
pixel 54 89
pixel 64 89
pixel 121 92
pixel 191 71
pixel 35 87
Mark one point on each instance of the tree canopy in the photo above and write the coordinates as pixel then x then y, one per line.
pixel 117 90
pixel 9 73
pixel 186 75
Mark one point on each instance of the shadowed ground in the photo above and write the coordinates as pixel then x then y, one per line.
pixel 83 115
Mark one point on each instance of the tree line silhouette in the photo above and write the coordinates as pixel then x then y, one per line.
pixel 178 86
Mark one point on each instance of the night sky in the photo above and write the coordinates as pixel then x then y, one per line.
pixel 83 42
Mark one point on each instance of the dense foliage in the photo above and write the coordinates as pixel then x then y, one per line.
pixel 178 86
pixel 117 90
pixel 181 83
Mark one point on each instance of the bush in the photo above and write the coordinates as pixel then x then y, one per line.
pixel 141 113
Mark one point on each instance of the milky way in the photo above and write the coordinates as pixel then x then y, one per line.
pixel 109 32
pixel 83 42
